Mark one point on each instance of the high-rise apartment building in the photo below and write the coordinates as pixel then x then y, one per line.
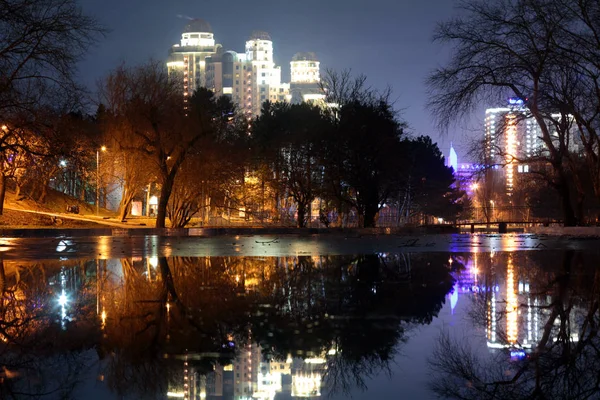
pixel 511 139
pixel 305 78
pixel 187 60
pixel 250 78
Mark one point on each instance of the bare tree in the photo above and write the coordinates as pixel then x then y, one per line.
pixel 148 105
pixel 41 42
pixel 505 49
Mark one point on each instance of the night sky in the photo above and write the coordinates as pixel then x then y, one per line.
pixel 387 40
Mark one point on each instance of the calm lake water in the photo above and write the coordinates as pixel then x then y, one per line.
pixel 387 324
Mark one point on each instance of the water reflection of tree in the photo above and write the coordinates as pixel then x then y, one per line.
pixel 566 359
pixel 354 309
pixel 42 353
pixel 186 308
pixel 143 319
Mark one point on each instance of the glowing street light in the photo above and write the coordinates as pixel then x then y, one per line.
pixel 103 148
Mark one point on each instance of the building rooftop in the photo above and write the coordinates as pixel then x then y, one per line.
pixel 305 56
pixel 198 25
pixel 259 35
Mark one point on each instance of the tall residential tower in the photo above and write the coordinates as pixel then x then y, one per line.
pixel 511 138
pixel 250 78
pixel 187 60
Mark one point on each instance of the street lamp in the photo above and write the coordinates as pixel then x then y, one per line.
pixel 492 203
pixel 103 148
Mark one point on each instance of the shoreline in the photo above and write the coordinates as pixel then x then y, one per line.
pixel 45 232
pixel 48 232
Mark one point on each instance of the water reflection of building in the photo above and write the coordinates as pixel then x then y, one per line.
pixel 514 308
pixel 252 377
pixel 513 317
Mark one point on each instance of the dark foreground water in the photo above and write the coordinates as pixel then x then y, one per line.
pixel 466 323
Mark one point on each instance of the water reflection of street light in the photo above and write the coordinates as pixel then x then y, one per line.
pixel 103 148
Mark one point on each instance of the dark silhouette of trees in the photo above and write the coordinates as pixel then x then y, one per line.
pixel 365 147
pixel 288 138
pixel 353 156
pixel 426 185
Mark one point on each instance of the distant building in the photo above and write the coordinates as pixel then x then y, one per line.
pixel 250 78
pixel 513 139
pixel 465 174
pixel 187 60
pixel 305 78
pixel 452 160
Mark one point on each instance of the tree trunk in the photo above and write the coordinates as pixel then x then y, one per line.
pixel 2 278
pixel 125 204
pixel 301 215
pixel 44 193
pixel 124 209
pixel 569 218
pixel 165 194
pixel 369 217
pixel 82 192
pixel 2 192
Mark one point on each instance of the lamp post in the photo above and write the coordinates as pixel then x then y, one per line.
pixel 492 203
pixel 103 148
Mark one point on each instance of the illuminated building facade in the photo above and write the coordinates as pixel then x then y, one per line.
pixel 305 78
pixel 466 175
pixel 187 60
pixel 513 140
pixel 250 77
pixel 511 137
pixel 251 376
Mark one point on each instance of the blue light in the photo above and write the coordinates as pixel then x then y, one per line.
pixel 518 354
pixel 515 101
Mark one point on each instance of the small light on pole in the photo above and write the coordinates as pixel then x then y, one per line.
pixel 103 148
